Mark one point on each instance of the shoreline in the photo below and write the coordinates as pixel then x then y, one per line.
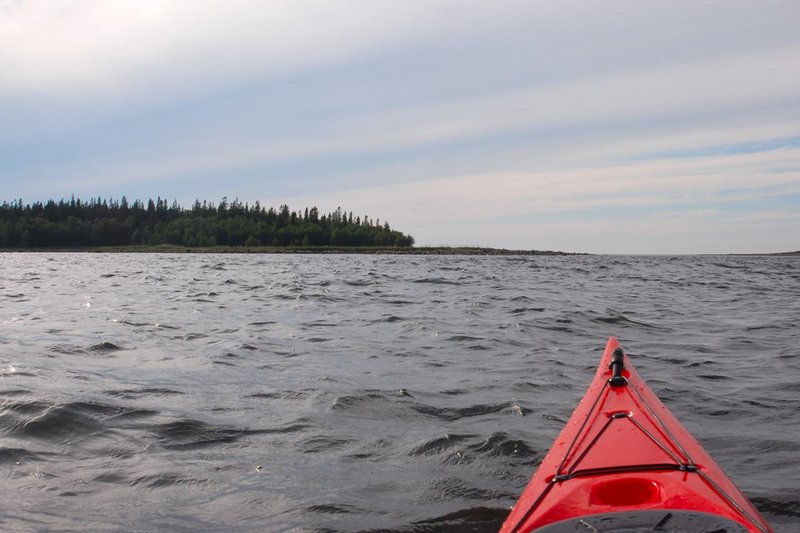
pixel 422 250
pixel 322 250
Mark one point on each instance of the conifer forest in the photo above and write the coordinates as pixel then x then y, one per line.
pixel 102 222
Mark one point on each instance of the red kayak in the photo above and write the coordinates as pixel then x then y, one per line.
pixel 624 463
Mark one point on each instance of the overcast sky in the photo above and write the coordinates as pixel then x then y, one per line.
pixel 627 126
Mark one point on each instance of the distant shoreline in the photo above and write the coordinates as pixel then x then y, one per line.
pixel 422 250
pixel 762 254
pixel 778 253
pixel 378 250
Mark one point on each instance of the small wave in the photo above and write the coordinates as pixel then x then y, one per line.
pixel 116 451
pixel 113 478
pixel 105 347
pixel 138 393
pixel 457 413
pixel 453 488
pixel 455 392
pixel 789 386
pixel 167 479
pixel 190 434
pixel 472 519
pixel 323 443
pixel 439 444
pixel 776 445
pixel 714 377
pixel 529 386
pixel 317 340
pixel 501 445
pixel 63 422
pixel 524 310
pixel 134 324
pixel 350 401
pixel 619 319
pixel 557 328
pixel 286 297
pixel 673 360
pixel 281 395
pixel 295 427
pixel 334 509
pixel 554 418
pixel 370 449
pixel 147 324
pixel 388 319
pixel 733 413
pixel 464 338
pixel 66 349
pixel 358 283
pixel 19 456
pixel 321 324
pixel 13 370
pixel 436 281
pixel 780 508
pixel 478 347
pixel 728 265
pixel 761 327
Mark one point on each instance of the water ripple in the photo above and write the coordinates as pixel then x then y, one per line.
pixel 205 392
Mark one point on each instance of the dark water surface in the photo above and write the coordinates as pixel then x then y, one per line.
pixel 353 393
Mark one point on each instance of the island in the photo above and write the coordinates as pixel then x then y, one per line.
pixel 101 223
pixel 156 226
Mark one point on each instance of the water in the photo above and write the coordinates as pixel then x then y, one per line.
pixel 356 393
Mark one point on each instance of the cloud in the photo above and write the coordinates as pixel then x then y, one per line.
pixel 124 47
pixel 57 46
pixel 624 115
pixel 633 196
pixel 436 115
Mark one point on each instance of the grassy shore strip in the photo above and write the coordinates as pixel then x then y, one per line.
pixel 782 254
pixel 787 253
pixel 171 249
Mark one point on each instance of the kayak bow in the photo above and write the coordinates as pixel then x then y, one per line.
pixel 623 462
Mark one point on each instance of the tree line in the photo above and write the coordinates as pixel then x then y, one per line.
pixel 101 222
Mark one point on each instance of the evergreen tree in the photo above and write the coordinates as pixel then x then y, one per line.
pixel 101 222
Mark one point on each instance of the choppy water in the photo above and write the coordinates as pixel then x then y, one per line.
pixel 353 393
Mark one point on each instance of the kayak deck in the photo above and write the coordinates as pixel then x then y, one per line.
pixel 625 463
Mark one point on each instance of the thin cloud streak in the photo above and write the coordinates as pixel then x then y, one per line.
pixel 536 112
pixel 124 46
pixel 609 196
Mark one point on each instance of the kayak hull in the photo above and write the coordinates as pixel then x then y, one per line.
pixel 624 459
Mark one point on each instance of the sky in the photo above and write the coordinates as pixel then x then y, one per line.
pixel 619 126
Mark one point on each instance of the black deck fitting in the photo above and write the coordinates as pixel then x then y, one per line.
pixel 616 367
